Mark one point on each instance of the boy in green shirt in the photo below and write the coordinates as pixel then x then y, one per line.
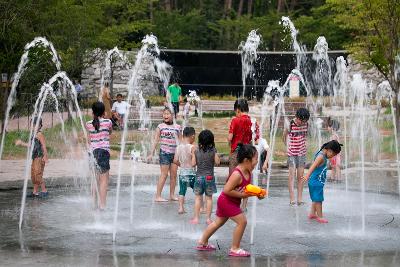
pixel 175 94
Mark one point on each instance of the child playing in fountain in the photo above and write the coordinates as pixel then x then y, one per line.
pixel 316 177
pixel 183 159
pixel 39 160
pixel 333 128
pixel 228 204
pixel 295 138
pixel 186 110
pixel 240 131
pixel 204 157
pixel 99 130
pixel 168 134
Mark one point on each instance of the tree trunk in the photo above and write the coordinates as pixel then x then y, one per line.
pixel 167 5
pixel 240 8
pixel 227 7
pixel 293 4
pixel 151 10
pixel 250 7
pixel 396 105
pixel 281 6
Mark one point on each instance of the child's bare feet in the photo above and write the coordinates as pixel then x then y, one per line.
pixel 160 199
pixel 209 221
pixel 194 221
pixel 181 211
pixel 173 198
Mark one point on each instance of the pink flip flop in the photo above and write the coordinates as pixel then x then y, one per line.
pixel 207 247
pixel 321 220
pixel 312 216
pixel 239 253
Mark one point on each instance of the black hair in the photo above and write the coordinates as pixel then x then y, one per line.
pixel 303 114
pixel 245 152
pixel 98 111
pixel 333 145
pixel 35 119
pixel 185 100
pixel 119 95
pixel 334 124
pixel 206 140
pixel 170 111
pixel 106 84
pixel 241 104
pixel 188 131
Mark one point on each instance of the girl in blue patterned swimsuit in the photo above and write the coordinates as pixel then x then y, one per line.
pixel 316 177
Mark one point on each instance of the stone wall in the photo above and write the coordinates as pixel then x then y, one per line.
pixel 147 77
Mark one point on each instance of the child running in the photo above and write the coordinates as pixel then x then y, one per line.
pixel 228 204
pixel 295 138
pixel 99 130
pixel 316 177
pixel 335 162
pixel 168 134
pixel 205 157
pixel 183 159
pixel 39 160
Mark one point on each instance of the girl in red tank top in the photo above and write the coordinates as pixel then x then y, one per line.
pixel 228 204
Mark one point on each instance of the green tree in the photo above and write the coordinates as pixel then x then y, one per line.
pixel 375 25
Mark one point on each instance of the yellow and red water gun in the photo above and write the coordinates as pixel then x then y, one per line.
pixel 253 190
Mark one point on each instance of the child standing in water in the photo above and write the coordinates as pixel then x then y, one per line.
pixel 205 157
pixel 228 204
pixel 295 138
pixel 316 177
pixel 39 160
pixel 168 134
pixel 183 159
pixel 99 130
pixel 335 162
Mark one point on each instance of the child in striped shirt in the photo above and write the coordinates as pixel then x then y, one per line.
pixel 168 134
pixel 295 138
pixel 99 130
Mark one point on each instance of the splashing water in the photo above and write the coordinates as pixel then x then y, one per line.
pixel 323 71
pixel 249 55
pixel 106 72
pixel 38 41
pixel 148 52
pixel 300 51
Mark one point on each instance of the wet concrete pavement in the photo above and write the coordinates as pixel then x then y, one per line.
pixel 64 230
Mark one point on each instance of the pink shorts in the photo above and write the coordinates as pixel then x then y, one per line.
pixel 335 161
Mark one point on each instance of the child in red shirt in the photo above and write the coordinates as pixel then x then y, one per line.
pixel 240 131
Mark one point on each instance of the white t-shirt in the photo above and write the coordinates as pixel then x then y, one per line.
pixel 120 108
pixel 263 145
pixel 186 109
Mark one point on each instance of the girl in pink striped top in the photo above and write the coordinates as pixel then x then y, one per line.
pixel 296 140
pixel 168 134
pixel 99 130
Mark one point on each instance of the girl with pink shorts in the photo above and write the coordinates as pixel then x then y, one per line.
pixel 228 204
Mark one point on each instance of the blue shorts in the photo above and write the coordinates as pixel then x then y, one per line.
pixel 166 158
pixel 316 190
pixel 205 184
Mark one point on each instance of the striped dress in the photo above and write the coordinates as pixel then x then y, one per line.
pixel 169 135
pixel 297 137
pixel 101 139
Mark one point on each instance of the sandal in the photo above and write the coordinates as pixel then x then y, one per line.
pixel 312 216
pixel 292 203
pixel 321 220
pixel 300 203
pixel 207 247
pixel 239 253
pixel 193 221
pixel 33 195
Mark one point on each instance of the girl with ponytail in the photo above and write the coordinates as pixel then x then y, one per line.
pixel 316 177
pixel 99 130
